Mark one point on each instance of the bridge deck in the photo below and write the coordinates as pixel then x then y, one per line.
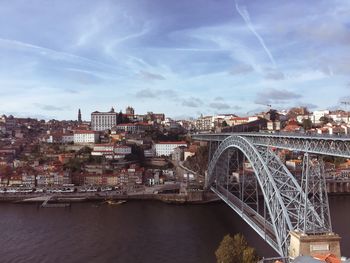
pixel 255 220
pixel 311 143
pixel 222 136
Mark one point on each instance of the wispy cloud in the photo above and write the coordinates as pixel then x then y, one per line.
pixel 219 105
pixel 192 102
pixel 275 75
pixel 156 93
pixel 49 52
pixel 49 107
pixel 241 69
pixel 150 76
pixel 278 96
pixel 160 55
pixel 246 17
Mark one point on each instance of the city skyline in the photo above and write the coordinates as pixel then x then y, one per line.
pixel 183 58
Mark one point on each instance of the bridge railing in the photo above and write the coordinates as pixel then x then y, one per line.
pixel 342 137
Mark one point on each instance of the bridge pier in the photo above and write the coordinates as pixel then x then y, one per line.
pixel 312 245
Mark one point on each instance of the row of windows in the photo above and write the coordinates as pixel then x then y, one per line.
pixel 109 120
pixel 104 118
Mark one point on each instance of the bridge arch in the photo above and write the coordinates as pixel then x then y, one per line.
pixel 281 192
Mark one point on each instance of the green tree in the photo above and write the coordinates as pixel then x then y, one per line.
pixel 325 120
pixel 85 150
pixel 249 255
pixel 225 252
pixel 307 124
pixel 224 124
pixel 198 162
pixel 235 250
pixel 74 165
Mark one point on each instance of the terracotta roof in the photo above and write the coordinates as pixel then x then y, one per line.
pixel 240 118
pixel 329 258
pixel 84 132
pixel 181 142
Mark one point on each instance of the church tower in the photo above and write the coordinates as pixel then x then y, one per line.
pixel 79 116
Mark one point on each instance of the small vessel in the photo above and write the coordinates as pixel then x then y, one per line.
pixel 112 202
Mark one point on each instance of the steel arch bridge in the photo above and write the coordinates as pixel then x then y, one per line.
pixel 289 204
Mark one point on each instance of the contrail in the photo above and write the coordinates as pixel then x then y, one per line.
pixel 245 15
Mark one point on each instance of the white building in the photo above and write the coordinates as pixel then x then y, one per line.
pixel 85 137
pixel 111 151
pixel 122 150
pixel 340 117
pixel 205 123
pixel 318 114
pixel 101 121
pixel 67 138
pixel 167 148
pixel 103 148
pixel 58 138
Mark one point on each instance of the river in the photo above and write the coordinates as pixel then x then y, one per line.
pixel 137 231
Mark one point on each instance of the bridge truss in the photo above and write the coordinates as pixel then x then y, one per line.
pixel 287 204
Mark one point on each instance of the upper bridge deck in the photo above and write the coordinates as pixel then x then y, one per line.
pixel 333 145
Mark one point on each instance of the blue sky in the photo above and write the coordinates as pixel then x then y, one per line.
pixel 183 57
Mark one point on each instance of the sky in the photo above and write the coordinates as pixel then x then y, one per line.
pixel 183 58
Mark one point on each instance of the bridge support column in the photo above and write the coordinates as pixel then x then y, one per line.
pixel 206 180
pixel 311 245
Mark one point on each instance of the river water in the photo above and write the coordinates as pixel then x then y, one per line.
pixel 132 232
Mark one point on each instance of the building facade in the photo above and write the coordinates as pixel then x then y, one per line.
pixel 102 121
pixel 167 148
pixel 85 137
pixel 205 123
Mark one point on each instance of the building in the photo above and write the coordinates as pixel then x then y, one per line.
pixel 102 121
pixel 294 164
pixel 9 121
pixel 149 153
pixel 340 117
pixel 274 125
pixel 130 111
pixel 79 116
pixel 59 137
pixel 85 137
pixel 122 150
pixel 133 127
pixel 111 151
pixel 155 117
pixel 106 150
pixel 293 126
pixel 178 154
pixel 65 157
pixel 67 137
pixel 318 114
pixel 238 120
pixel 167 148
pixel 28 179
pixel 204 123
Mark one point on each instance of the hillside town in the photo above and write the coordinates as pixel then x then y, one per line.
pixel 130 152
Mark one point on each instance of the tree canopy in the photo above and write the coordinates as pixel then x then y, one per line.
pixel 307 124
pixel 235 250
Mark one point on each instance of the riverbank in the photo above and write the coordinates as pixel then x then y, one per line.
pixel 199 197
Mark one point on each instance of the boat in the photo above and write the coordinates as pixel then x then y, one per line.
pixel 112 202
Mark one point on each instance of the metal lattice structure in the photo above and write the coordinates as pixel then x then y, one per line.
pixel 317 144
pixel 313 184
pixel 288 205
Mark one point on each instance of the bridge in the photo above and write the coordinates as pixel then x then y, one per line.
pixel 291 213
